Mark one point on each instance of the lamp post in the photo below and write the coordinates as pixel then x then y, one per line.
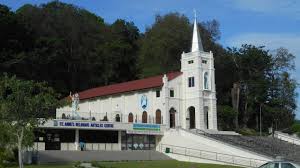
pixel 260 110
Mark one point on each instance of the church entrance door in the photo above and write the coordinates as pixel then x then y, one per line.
pixel 172 117
pixel 192 117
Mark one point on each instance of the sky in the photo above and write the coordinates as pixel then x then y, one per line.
pixel 271 23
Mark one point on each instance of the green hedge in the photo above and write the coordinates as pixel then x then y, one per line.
pixel 247 131
pixel 296 128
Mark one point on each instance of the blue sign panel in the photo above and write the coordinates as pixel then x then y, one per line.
pixel 82 124
pixel 146 127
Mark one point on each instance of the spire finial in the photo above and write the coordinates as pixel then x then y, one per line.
pixel 196 43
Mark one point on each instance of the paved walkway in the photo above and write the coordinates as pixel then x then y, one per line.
pixel 87 156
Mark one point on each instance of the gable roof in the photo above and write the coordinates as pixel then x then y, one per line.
pixel 151 82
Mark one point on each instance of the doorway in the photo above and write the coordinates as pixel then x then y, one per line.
pixel 206 117
pixel 172 117
pixel 192 117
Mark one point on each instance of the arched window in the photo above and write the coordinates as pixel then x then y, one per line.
pixel 63 116
pixel 118 118
pixel 158 116
pixel 144 117
pixel 206 80
pixel 130 118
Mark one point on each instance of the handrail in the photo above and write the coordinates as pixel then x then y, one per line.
pixel 286 136
pixel 234 159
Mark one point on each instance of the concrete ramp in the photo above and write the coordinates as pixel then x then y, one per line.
pixel 186 145
pixel 74 156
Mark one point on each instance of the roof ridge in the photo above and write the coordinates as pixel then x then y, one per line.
pixel 139 84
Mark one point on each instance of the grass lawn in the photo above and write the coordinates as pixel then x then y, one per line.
pixel 47 166
pixel 139 164
pixel 160 164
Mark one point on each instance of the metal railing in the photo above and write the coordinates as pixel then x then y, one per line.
pixel 286 138
pixel 110 117
pixel 214 156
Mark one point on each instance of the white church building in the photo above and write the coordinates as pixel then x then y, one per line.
pixel 134 115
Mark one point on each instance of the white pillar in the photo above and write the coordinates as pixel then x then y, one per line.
pixel 119 140
pixel 77 139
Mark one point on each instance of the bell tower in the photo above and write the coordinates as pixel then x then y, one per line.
pixel 198 86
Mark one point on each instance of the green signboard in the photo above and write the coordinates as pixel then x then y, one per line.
pixel 146 127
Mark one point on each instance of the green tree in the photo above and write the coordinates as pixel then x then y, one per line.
pixel 73 49
pixel 121 52
pixel 226 115
pixel 263 82
pixel 163 44
pixel 15 39
pixel 23 104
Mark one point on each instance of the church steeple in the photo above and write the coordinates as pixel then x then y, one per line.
pixel 196 43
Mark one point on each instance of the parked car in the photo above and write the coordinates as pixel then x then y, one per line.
pixel 279 164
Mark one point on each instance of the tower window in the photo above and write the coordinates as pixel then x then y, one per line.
pixel 158 93
pixel 191 81
pixel 190 61
pixel 204 61
pixel 206 81
pixel 171 93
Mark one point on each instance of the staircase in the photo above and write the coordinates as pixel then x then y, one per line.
pixel 268 146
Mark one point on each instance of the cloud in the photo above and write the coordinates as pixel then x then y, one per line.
pixel 272 41
pixel 290 8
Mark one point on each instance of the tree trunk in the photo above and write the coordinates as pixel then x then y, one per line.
pixel 235 96
pixel 20 139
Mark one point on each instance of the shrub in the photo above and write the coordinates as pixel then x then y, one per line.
pixel 247 131
pixel 296 128
pixel 78 165
pixel 98 165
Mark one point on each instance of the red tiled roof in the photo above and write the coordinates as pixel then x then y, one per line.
pixel 146 83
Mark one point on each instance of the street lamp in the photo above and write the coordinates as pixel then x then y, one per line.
pixel 260 109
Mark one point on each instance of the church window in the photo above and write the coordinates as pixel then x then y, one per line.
pixel 190 61
pixel 158 93
pixel 144 117
pixel 206 81
pixel 130 118
pixel 63 116
pixel 204 61
pixel 171 93
pixel 191 81
pixel 118 118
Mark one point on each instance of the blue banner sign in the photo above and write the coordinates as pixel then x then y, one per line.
pixel 82 124
pixel 146 127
